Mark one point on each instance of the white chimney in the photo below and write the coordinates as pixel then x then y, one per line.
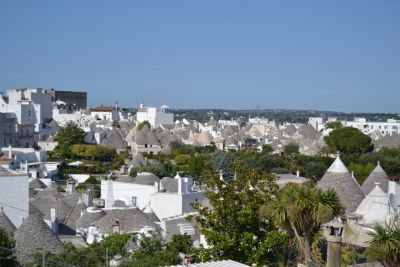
pixel 54 220
pixel 157 186
pixel 180 186
pixel 89 197
pixel 9 151
pixel 221 178
pixel 110 194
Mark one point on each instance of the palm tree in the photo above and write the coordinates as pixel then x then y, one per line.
pixel 302 210
pixel 385 244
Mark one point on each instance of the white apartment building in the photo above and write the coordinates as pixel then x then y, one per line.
pixel 30 105
pixel 155 116
pixel 385 128
pixel 318 123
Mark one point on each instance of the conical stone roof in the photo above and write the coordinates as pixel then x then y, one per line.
pixel 378 175
pixel 374 208
pixel 35 235
pixel 6 223
pixel 37 184
pixel 349 191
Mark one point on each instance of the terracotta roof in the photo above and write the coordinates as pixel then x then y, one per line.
pixel 394 178
pixel 102 109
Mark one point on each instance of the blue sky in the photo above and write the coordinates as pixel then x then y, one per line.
pixel 327 55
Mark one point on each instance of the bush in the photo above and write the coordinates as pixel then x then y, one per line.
pixel 93 152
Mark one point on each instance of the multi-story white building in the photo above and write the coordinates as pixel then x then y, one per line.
pixel 30 106
pixel 174 197
pixel 385 128
pixel 318 123
pixel 155 116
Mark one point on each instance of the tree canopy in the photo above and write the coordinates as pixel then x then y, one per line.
pixel 385 244
pixel 348 140
pixel 232 226
pixel 301 210
pixel 93 152
pixel 66 137
pixel 7 257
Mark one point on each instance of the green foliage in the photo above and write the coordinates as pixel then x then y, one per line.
pixel 361 171
pixel 385 244
pixel 301 210
pixel 153 251
pixel 333 125
pixel 115 243
pixel 267 148
pixel 197 165
pixel 314 170
pixel 182 159
pixel 238 233
pixel 178 148
pixel 91 183
pixel 348 140
pixel 142 125
pixel 161 170
pixel 291 149
pixel 7 257
pixel 115 124
pixel 93 255
pixel 66 137
pixel 222 160
pixel 93 152
pixel 350 253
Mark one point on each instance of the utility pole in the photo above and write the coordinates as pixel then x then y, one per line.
pixel 43 259
pixel 106 256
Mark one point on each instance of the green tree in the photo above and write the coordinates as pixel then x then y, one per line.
pixel 66 137
pixel 153 251
pixel 291 149
pixel 161 170
pixel 232 227
pixel 93 152
pixel 142 125
pixel 222 160
pixel 115 124
pixel 361 171
pixel 196 165
pixel 302 210
pixel 348 140
pixel 314 170
pixel 333 125
pixel 267 149
pixel 385 244
pixel 91 256
pixel 7 257
pixel 91 183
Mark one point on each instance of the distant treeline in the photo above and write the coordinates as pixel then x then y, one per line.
pixel 279 115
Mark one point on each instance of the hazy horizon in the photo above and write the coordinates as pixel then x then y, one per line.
pixel 340 56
